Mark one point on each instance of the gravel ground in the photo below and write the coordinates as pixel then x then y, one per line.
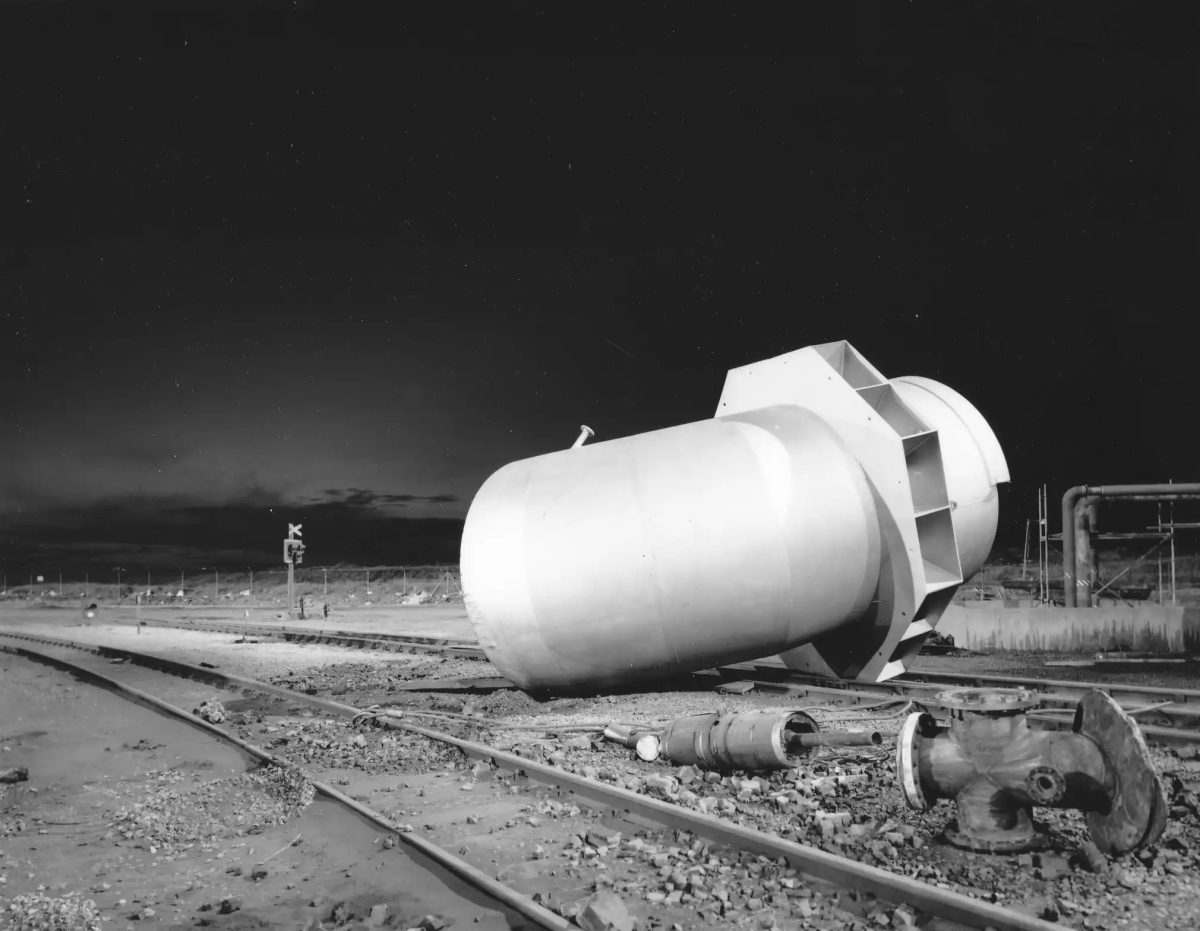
pixel 253 659
pixel 175 817
pixel 846 801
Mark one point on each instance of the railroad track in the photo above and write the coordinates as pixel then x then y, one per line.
pixel 1166 715
pixel 518 910
pixel 818 869
pixel 465 649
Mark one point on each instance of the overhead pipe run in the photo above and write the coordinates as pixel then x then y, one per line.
pixel 825 513
pixel 1073 529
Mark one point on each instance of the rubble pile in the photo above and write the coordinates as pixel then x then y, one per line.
pixel 286 785
pixel 370 750
pixel 38 912
pixel 11 823
pixel 374 678
pixel 724 885
pixel 174 817
pixel 210 710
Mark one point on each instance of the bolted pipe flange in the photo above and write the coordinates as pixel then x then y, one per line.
pixel 997 768
pixel 987 701
pixel 916 726
pixel 1045 785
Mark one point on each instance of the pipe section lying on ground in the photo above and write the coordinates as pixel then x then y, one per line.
pixel 1074 497
pixel 826 513
pixel 996 768
pixel 835 739
pixel 752 740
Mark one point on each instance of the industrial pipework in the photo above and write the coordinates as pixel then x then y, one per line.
pixel 1077 572
pixel 752 740
pixel 996 768
pixel 826 514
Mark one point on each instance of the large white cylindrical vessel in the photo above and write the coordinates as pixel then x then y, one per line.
pixel 662 553
pixel 826 514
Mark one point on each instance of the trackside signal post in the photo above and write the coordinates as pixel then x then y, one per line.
pixel 293 555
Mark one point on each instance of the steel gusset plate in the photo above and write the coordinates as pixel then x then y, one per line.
pixel 1138 812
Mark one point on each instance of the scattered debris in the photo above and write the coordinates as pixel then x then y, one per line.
pixel 172 818
pixel 38 912
pixel 210 710
pixel 1091 857
pixel 604 911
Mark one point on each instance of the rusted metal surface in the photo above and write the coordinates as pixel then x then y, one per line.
pixel 988 626
pixel 1075 498
pixel 750 740
pixel 996 769
pixel 835 739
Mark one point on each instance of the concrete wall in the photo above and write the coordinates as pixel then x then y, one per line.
pixel 988 626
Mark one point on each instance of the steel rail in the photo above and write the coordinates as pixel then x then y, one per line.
pixel 842 871
pixel 978 680
pixel 1173 704
pixel 926 699
pixel 377 635
pixel 475 877
pixel 1145 693
pixel 1179 703
pixel 1065 692
pixel 1062 699
pixel 360 640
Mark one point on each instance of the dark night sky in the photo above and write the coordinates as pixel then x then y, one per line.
pixel 266 263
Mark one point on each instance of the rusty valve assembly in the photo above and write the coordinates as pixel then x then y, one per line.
pixel 997 768
pixel 751 740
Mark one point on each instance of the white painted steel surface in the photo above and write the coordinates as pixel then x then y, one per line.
pixel 825 513
pixel 973 461
pixel 668 551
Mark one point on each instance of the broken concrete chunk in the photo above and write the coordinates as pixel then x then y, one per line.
pixel 603 837
pixel 604 911
pixel 665 785
pixel 1091 857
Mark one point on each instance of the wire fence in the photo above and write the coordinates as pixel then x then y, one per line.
pixel 341 586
